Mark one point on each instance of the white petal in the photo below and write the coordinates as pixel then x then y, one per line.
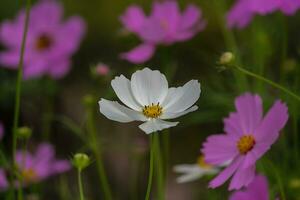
pixel 122 88
pixel 116 112
pixel 149 86
pixel 189 177
pixel 169 115
pixel 185 168
pixel 156 125
pixel 181 98
pixel 192 172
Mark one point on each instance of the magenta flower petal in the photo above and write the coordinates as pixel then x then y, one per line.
pixel 231 126
pixel 62 67
pixel 190 17
pixel 242 177
pixel 243 11
pixel 226 173
pixel 239 16
pixel 218 149
pixel 290 7
pixel 274 121
pixel 133 18
pixel 139 54
pixel 249 109
pixel 257 189
pixel 61 166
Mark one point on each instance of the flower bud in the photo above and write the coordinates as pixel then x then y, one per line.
pixel 88 100
pixel 81 161
pixel 226 58
pixel 24 132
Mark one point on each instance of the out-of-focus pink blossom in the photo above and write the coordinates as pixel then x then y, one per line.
pixel 257 189
pixel 165 25
pixel 102 69
pixel 50 41
pixel 242 12
pixel 38 166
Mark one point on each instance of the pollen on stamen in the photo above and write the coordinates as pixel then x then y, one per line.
pixel 246 144
pixel 152 111
pixel 43 42
pixel 201 162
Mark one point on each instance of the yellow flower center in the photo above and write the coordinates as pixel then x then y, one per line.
pixel 245 144
pixel 43 42
pixel 152 111
pixel 29 175
pixel 201 162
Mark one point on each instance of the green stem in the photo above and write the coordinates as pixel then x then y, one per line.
pixel 19 80
pixel 80 185
pixel 150 177
pixel 277 175
pixel 278 86
pixel 18 96
pixel 160 168
pixel 98 153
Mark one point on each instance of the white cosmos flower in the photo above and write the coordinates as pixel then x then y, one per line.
pixel 192 172
pixel 149 99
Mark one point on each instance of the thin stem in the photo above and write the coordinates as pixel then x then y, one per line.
pixel 160 168
pixel 150 177
pixel 18 97
pixel 19 81
pixel 278 86
pixel 80 185
pixel 98 153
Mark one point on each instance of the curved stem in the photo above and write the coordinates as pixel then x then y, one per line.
pixel 278 86
pixel 150 177
pixel 80 185
pixel 18 97
pixel 98 153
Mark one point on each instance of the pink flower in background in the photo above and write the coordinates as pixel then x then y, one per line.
pixel 243 11
pixel 257 189
pixel 102 69
pixel 3 180
pixel 1 130
pixel 38 166
pixel 165 25
pixel 50 41
pixel 248 136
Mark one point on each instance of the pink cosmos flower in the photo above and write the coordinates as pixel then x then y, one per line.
pixel 50 41
pixel 248 136
pixel 165 25
pixel 243 11
pixel 38 166
pixel 257 189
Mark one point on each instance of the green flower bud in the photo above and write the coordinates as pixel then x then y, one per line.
pixel 24 132
pixel 88 100
pixel 226 58
pixel 81 161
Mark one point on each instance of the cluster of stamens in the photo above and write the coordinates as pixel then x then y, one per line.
pixel 201 162
pixel 43 42
pixel 246 144
pixel 28 175
pixel 152 111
